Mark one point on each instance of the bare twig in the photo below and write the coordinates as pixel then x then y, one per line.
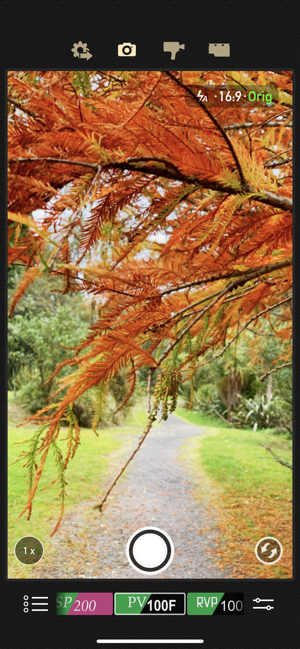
pixel 223 418
pixel 180 315
pixel 283 112
pixel 142 439
pixel 94 166
pixel 21 107
pixel 278 164
pixel 242 329
pixel 259 333
pixel 289 466
pixel 111 76
pixel 275 369
pixel 277 156
pixel 191 323
pixel 186 308
pixel 236 127
pixel 261 270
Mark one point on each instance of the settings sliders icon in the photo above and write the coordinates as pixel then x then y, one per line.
pixel 84 54
pixel 258 600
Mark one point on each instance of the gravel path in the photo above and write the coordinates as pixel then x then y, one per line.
pixel 155 491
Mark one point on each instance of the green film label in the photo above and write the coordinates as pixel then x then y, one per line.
pixel 215 603
pixel 149 603
pixel 64 602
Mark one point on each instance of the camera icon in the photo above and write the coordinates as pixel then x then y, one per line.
pixel 126 49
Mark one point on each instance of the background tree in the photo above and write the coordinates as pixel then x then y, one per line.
pixel 43 328
pixel 175 215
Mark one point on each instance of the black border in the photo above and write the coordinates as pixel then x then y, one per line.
pixel 262 35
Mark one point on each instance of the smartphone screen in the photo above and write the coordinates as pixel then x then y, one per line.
pixel 150 447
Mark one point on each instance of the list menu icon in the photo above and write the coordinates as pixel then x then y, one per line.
pixel 36 603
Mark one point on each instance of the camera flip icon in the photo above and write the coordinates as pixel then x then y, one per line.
pixel 126 49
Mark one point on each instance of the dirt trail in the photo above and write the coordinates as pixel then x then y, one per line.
pixel 156 491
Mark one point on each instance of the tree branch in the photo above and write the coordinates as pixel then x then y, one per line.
pixel 276 457
pixel 275 369
pixel 216 123
pixel 277 156
pixel 142 439
pixel 260 270
pixel 18 105
pixel 259 333
pixel 223 418
pixel 236 127
pixel 94 166
pixel 278 164
pixel 168 170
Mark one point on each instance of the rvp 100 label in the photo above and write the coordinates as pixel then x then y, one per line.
pixel 149 604
pixel 215 603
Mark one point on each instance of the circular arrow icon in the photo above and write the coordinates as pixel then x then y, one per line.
pixel 268 550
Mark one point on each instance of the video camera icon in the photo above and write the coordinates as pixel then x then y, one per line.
pixel 173 47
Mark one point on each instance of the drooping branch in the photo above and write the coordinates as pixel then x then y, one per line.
pixel 289 466
pixel 275 370
pixel 142 439
pixel 122 176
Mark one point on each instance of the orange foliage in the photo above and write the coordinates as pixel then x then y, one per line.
pixel 155 205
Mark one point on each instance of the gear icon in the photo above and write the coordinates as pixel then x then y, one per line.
pixel 76 46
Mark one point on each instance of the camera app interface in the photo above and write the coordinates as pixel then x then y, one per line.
pixel 150 329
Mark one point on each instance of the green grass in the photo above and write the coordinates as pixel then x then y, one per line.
pixel 252 491
pixel 201 419
pixel 94 460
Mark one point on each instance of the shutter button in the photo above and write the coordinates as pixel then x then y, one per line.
pixel 150 550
